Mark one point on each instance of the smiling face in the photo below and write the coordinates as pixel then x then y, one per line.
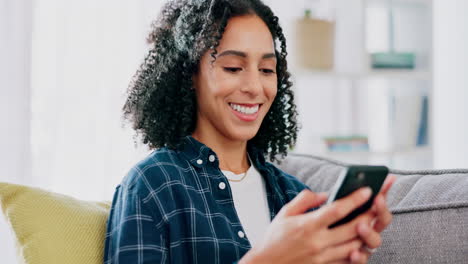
pixel 235 92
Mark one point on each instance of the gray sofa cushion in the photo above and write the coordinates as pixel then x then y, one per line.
pixel 430 209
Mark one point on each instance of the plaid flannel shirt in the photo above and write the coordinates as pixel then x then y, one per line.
pixel 176 206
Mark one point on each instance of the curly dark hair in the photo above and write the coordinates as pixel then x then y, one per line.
pixel 161 104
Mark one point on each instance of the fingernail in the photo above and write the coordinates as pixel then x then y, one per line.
pixel 362 228
pixel 380 201
pixel 366 192
pixel 354 257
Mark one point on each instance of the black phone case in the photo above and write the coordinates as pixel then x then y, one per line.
pixel 353 179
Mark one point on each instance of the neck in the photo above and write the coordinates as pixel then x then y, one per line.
pixel 232 154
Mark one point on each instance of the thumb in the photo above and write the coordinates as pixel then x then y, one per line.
pixel 304 201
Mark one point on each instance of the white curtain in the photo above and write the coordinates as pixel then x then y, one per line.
pixel 84 54
pixel 15 38
pixel 64 68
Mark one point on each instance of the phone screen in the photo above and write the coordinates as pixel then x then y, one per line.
pixel 353 178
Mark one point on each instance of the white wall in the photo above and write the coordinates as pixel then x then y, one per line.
pixel 15 164
pixel 15 31
pixel 106 35
pixel 450 124
pixel 83 57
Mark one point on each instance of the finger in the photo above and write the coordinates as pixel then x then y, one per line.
pixel 302 202
pixel 340 262
pixel 384 216
pixel 341 252
pixel 337 210
pixel 373 208
pixel 369 236
pixel 359 256
pixel 347 231
pixel 388 184
pixel 374 204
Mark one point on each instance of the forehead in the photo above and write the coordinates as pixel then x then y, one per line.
pixel 247 33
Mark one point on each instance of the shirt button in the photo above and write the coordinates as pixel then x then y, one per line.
pixel 241 234
pixel 212 158
pixel 222 185
pixel 200 162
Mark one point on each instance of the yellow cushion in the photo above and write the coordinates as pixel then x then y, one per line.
pixel 54 228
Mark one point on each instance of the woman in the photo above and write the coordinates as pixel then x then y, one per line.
pixel 213 97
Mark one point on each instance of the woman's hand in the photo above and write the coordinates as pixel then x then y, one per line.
pixel 369 232
pixel 298 237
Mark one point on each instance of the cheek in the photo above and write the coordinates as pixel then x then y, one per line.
pixel 213 85
pixel 271 89
pixel 224 84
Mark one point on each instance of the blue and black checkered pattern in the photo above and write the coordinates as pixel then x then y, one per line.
pixel 171 208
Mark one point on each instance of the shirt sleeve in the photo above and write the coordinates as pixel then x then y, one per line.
pixel 132 234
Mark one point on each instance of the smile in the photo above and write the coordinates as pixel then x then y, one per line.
pixel 245 109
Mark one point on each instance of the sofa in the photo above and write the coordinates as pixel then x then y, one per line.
pixel 430 223
pixel 430 210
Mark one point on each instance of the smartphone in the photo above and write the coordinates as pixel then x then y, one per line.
pixel 353 178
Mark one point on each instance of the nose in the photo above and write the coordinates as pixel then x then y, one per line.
pixel 253 84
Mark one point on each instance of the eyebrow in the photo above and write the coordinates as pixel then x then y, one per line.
pixel 244 55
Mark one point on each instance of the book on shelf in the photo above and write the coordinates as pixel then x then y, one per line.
pixel 347 143
pixel 407 123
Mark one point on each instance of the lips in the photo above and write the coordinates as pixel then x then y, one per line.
pixel 247 109
pixel 245 112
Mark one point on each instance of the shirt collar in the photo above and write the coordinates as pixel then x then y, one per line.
pixel 199 154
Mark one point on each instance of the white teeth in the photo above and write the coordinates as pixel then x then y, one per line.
pixel 244 109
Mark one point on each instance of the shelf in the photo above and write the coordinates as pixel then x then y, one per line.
pixel 401 2
pixel 352 96
pixel 377 73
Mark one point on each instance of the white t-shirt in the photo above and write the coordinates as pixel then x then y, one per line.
pixel 250 201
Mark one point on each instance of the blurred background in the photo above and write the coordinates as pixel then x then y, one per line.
pixel 376 82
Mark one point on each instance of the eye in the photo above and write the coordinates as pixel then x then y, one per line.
pixel 232 69
pixel 267 71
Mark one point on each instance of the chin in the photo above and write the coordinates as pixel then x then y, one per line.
pixel 244 134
